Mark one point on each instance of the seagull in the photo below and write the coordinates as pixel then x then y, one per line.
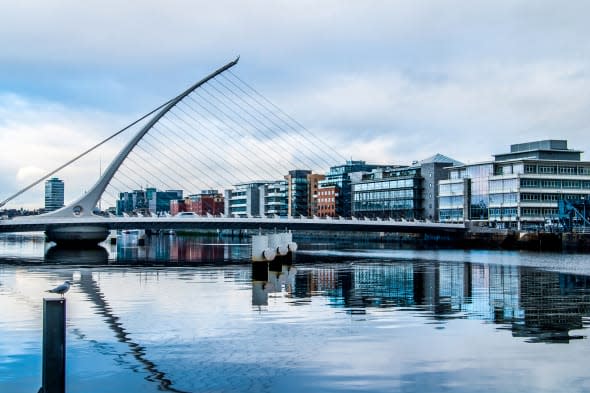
pixel 61 289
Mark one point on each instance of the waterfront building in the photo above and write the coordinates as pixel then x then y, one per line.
pixel 334 194
pixel 327 200
pixel 146 201
pixel 518 189
pixel 302 185
pixel 244 199
pixel 274 199
pixel 401 192
pixel 159 201
pixel 206 202
pixel 54 194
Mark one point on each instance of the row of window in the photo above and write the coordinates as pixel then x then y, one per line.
pixel 379 195
pixel 503 212
pixel 554 183
pixel 506 198
pixel 499 185
pixel 551 169
pixel 537 212
pixel 384 185
pixel 383 205
pixel 451 201
pixel 451 188
pixel 450 214
pixel 534 197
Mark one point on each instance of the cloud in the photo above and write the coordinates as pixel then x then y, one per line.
pixel 382 81
pixel 38 136
pixel 466 112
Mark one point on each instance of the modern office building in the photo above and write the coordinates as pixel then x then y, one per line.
pixel 146 201
pixel 159 201
pixel 54 194
pixel 206 202
pixel 334 192
pixel 519 189
pixel 274 198
pixel 132 201
pixel 390 192
pixel 401 192
pixel 244 199
pixel 302 185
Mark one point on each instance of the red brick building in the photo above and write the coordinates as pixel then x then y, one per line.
pixel 207 202
pixel 325 201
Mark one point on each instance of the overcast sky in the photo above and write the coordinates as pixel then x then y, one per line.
pixel 383 81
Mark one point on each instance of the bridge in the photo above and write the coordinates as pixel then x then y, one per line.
pixel 217 133
pixel 77 225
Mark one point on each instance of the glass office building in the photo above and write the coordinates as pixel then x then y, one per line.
pixel 274 198
pixel 394 192
pixel 519 189
pixel 334 196
pixel 401 192
pixel 54 194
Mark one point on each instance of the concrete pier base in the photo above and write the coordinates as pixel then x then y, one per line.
pixel 77 236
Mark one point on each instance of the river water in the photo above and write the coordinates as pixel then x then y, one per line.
pixel 194 315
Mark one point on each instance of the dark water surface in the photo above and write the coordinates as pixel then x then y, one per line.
pixel 191 314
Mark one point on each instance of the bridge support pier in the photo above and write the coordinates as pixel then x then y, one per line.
pixel 78 235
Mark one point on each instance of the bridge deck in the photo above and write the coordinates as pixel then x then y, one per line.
pixel 39 223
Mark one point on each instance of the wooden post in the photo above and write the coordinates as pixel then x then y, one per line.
pixel 54 345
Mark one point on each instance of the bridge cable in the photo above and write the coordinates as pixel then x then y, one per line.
pixel 202 162
pixel 249 122
pixel 240 153
pixel 284 134
pixel 301 126
pixel 285 169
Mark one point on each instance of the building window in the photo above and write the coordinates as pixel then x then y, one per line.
pixel 546 169
pixel 529 183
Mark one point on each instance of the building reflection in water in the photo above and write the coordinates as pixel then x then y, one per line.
pixel 169 248
pixel 538 305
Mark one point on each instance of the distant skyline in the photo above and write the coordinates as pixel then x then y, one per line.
pixel 381 81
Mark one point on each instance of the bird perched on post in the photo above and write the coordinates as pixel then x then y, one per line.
pixel 61 289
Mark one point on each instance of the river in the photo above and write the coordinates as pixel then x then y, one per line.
pixel 190 314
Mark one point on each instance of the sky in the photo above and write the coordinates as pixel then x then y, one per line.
pixel 381 81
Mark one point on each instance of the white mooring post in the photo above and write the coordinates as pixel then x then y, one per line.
pixel 260 250
pixel 276 242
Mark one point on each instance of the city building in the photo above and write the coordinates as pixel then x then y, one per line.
pixel 204 203
pixel 244 199
pixel 54 194
pixel 519 189
pixel 146 201
pixel 334 194
pixel 390 192
pixel 274 199
pixel 302 186
pixel 159 201
pixel 327 201
pixel 401 192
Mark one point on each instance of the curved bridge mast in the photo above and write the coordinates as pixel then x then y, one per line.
pixel 84 206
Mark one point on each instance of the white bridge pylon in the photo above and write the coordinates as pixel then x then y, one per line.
pixel 85 205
